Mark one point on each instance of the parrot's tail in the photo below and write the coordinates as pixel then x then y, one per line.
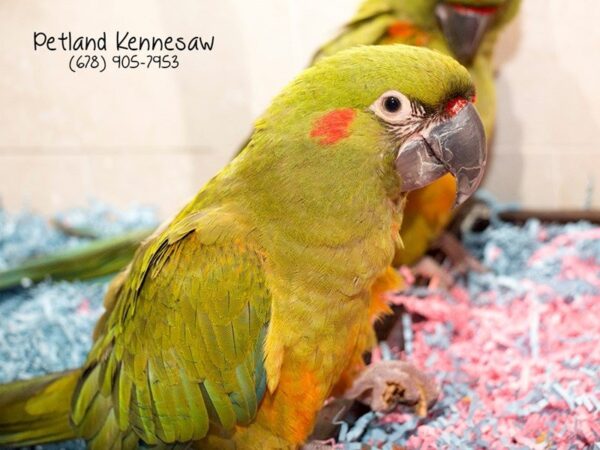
pixel 37 411
pixel 98 258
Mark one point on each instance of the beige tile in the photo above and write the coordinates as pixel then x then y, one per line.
pixel 529 179
pixel 579 178
pixel 51 182
pixel 157 135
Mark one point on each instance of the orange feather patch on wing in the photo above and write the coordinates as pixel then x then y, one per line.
pixel 401 29
pixel 407 33
pixel 333 126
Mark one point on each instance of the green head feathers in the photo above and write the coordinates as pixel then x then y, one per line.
pixel 329 143
pixel 355 78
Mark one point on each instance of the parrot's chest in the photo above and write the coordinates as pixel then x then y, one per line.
pixel 320 319
pixel 305 361
pixel 331 339
pixel 322 326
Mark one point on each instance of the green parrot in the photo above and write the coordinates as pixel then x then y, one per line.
pixel 464 29
pixel 239 317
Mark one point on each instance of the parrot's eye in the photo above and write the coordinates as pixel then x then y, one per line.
pixel 393 107
pixel 392 104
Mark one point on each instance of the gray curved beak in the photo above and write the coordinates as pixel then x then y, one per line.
pixel 457 145
pixel 463 29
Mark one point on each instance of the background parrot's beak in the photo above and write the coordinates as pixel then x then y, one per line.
pixel 457 145
pixel 464 28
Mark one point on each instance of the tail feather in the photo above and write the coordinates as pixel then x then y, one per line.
pixel 96 259
pixel 37 411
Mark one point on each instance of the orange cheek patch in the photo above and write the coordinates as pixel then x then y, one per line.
pixel 333 126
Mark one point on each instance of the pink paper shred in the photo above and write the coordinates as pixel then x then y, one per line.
pixel 518 356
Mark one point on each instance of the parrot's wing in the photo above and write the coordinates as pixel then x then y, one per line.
pixel 182 350
pixel 367 27
pixel 370 9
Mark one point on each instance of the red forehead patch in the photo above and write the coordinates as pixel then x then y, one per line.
pixel 333 126
pixel 454 106
pixel 485 10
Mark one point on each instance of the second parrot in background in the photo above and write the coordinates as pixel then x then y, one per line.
pixel 464 29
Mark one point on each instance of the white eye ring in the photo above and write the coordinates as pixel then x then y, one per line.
pixel 392 106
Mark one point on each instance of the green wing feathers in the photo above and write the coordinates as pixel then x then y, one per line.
pixel 37 411
pixel 98 258
pixel 369 9
pixel 367 27
pixel 180 353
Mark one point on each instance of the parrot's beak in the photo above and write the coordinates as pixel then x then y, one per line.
pixel 457 145
pixel 464 28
